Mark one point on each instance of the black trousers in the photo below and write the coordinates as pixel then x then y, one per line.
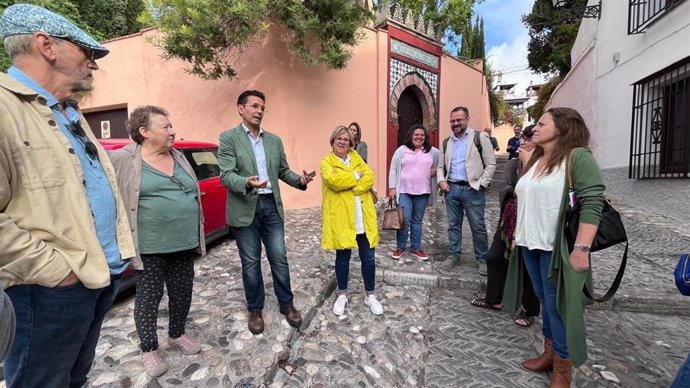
pixel 175 271
pixel 497 269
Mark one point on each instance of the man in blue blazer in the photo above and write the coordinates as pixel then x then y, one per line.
pixel 252 161
pixel 514 143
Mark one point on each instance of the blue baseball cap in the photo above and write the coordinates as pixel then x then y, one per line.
pixel 27 19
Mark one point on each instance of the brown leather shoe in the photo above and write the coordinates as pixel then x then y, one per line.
pixel 256 322
pixel 562 374
pixel 292 316
pixel 543 363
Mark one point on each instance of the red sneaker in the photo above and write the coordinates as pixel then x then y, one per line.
pixel 420 255
pixel 398 253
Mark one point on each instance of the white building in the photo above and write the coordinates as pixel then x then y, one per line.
pixel 630 80
pixel 519 102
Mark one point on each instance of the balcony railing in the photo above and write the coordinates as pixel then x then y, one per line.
pixel 643 13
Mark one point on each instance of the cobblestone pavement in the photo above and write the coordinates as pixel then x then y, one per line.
pixel 429 335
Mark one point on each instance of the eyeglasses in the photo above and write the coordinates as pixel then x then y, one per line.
pixel 342 140
pixel 90 148
pixel 256 107
pixel 526 139
pixel 88 53
pixel 179 184
pixel 457 120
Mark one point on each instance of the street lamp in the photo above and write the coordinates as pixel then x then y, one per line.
pixel 588 11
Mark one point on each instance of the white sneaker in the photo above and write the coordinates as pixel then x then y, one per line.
pixel 373 304
pixel 339 305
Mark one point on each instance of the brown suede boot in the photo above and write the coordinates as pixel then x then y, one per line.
pixel 562 373
pixel 543 363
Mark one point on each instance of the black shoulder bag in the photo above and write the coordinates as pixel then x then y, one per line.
pixel 610 232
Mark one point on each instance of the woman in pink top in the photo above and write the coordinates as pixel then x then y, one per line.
pixel 412 178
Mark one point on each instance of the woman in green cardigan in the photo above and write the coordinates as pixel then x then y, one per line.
pixel 557 274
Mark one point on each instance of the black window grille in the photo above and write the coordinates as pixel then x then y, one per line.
pixel 660 141
pixel 643 13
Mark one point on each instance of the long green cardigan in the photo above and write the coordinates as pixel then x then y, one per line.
pixel 570 300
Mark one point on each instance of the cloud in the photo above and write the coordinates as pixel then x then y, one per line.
pixel 511 57
pixel 506 40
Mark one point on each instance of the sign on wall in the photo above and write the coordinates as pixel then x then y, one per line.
pixel 105 129
pixel 411 52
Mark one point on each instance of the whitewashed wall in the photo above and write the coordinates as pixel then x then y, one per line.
pixel 600 88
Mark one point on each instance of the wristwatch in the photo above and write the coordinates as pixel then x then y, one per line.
pixel 583 247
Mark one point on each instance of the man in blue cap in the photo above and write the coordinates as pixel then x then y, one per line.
pixel 64 235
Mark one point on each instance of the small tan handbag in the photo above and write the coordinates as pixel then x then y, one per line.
pixel 392 216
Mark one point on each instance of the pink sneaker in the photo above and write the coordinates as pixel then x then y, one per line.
pixel 153 364
pixel 186 344
pixel 420 255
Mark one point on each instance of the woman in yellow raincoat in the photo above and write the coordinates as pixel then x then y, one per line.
pixel 349 216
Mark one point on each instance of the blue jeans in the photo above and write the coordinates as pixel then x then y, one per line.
pixel 57 333
pixel 537 263
pixel 413 207
pixel 472 202
pixel 366 255
pixel 682 379
pixel 267 226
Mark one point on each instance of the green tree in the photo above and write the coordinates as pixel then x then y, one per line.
pixel 544 94
pixel 111 18
pixel 497 105
pixel 209 33
pixel 472 48
pixel 552 33
pixel 453 17
pixel 472 44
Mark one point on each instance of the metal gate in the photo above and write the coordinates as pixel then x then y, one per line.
pixel 660 141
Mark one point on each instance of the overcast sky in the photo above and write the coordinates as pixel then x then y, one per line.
pixel 506 39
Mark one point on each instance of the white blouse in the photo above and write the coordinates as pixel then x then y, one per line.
pixel 539 202
pixel 359 217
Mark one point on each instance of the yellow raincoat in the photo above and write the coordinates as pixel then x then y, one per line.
pixel 339 187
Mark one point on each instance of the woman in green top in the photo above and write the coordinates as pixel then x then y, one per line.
pixel 557 274
pixel 163 202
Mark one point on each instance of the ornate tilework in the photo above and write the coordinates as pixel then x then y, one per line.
pixel 399 69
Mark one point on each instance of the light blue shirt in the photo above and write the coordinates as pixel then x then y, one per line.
pixel 260 156
pixel 458 172
pixel 98 190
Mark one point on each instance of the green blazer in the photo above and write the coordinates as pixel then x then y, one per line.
pixel 238 162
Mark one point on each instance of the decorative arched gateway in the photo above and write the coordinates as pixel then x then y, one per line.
pixel 404 112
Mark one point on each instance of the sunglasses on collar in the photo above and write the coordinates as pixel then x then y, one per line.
pixel 90 148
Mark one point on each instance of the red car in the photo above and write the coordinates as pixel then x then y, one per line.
pixel 204 160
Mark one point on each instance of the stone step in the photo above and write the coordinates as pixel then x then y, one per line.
pixel 647 285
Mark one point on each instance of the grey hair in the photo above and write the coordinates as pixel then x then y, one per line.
pixel 17 45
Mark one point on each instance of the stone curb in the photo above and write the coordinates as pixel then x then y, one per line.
pixel 643 304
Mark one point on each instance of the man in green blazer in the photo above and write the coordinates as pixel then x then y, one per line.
pixel 251 162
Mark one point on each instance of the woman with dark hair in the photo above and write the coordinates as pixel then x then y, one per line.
pixel 412 181
pixel 499 252
pixel 161 192
pixel 557 273
pixel 360 146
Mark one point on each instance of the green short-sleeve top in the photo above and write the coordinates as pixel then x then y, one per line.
pixel 168 216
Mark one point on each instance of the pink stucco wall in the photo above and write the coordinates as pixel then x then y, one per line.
pixel 304 103
pixel 462 85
